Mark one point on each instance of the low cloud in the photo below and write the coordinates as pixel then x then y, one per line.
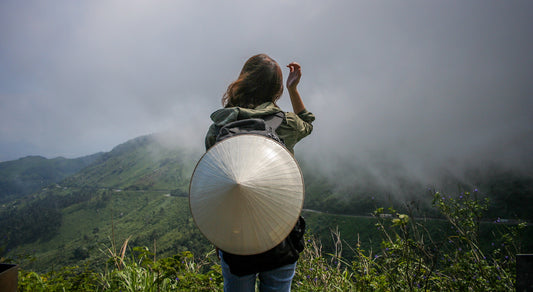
pixel 422 85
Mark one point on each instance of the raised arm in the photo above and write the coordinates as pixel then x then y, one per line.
pixel 292 83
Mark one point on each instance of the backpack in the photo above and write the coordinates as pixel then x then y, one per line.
pixel 266 126
pixel 287 252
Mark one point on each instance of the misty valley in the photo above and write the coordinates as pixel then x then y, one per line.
pixel 62 212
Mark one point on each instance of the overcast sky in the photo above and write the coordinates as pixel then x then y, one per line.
pixel 426 81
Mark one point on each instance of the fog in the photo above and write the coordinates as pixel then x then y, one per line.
pixel 412 86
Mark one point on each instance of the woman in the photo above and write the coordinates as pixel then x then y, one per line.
pixel 254 95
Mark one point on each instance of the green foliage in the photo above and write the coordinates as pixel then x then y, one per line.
pixel 73 278
pixel 317 271
pixel 138 272
pixel 409 259
pixel 39 218
pixel 29 223
pixel 152 218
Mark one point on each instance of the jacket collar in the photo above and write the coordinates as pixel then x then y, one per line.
pixel 231 114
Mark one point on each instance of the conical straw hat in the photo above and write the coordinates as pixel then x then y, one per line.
pixel 246 194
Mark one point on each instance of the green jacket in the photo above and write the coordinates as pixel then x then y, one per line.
pixel 293 128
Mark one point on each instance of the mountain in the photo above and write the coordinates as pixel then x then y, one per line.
pixel 72 211
pixel 30 174
pixel 138 191
pixel 143 163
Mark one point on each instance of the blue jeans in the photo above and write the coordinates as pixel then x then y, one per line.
pixel 279 279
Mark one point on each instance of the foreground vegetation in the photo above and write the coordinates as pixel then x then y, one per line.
pixel 409 259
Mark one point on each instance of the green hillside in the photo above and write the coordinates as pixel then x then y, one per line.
pixel 30 174
pixel 139 164
pixel 138 191
pixel 356 191
pixel 87 229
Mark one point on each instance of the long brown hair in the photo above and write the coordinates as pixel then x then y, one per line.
pixel 260 81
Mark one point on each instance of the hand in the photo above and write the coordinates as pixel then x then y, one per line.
pixel 294 75
pixel 292 83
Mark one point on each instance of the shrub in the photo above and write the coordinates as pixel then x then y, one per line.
pixel 410 259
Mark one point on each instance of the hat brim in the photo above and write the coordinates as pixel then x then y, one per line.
pixel 246 194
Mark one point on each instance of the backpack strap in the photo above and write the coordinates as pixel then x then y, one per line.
pixel 265 126
pixel 274 121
